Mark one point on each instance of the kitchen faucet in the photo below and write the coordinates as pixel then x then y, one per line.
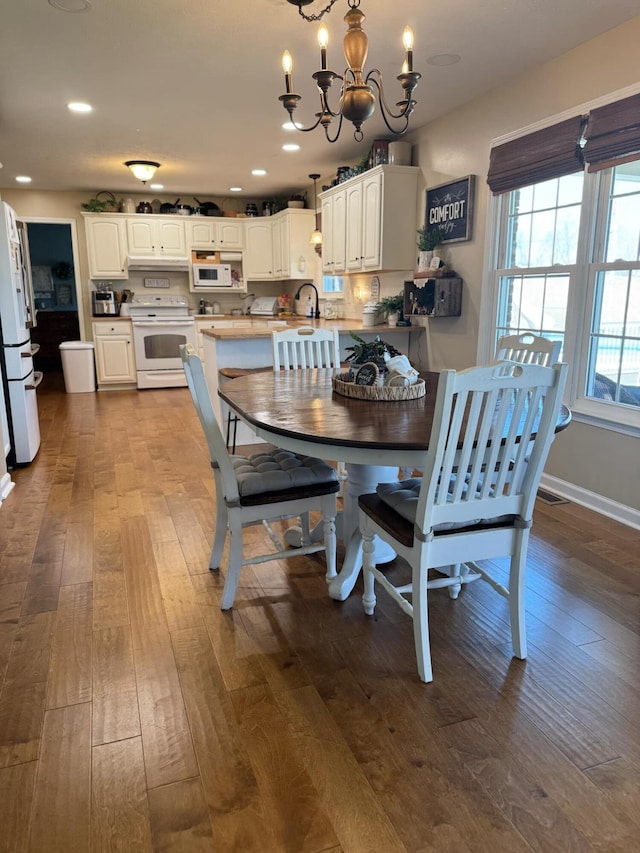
pixel 297 296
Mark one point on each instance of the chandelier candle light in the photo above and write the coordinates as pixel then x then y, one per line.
pixel 357 98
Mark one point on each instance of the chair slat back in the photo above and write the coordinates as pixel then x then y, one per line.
pixel 304 348
pixel 528 349
pixel 218 453
pixel 491 434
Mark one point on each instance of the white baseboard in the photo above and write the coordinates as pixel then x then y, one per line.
pixel 598 503
pixel 6 484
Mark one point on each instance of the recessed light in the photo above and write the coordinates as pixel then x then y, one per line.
pixel 79 107
pixel 156 186
pixel 23 179
pixel 259 172
pixel 235 189
pixel 71 5
pixel 289 125
pixel 443 59
pixel 291 146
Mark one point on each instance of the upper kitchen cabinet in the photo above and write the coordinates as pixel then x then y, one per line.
pixel 106 246
pixel 371 217
pixel 146 236
pixel 218 235
pixel 334 232
pixel 277 247
pixel 258 257
pixel 293 254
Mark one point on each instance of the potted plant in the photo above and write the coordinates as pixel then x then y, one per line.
pixel 391 305
pixel 429 236
pixel 369 351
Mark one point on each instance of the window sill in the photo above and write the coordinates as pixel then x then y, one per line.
pixel 614 418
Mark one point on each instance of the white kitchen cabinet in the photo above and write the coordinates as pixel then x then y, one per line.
pixel 373 216
pixel 293 254
pixel 334 233
pixel 115 358
pixel 217 234
pixel 258 255
pixel 106 246
pixel 146 236
pixel 278 247
pixel 354 226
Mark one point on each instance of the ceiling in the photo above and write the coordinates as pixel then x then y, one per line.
pixel 194 84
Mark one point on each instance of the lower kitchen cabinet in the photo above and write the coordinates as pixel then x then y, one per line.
pixel 115 358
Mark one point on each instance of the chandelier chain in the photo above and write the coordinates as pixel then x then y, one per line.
pixel 352 3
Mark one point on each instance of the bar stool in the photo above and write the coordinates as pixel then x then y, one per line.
pixel 232 420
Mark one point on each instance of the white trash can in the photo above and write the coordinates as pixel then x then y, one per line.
pixel 78 366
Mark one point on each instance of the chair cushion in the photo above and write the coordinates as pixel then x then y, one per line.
pixel 403 496
pixel 277 470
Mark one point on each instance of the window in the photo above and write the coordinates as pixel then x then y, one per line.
pixel 568 268
pixel 333 285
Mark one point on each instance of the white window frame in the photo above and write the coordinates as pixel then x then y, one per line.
pixel 612 416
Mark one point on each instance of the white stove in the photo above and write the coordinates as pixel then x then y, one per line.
pixel 160 325
pixel 158 307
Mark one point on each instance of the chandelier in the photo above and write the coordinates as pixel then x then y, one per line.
pixel 357 96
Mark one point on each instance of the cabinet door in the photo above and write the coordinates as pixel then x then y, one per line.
pixel 354 227
pixel 106 247
pixel 281 247
pixel 201 233
pixel 171 237
pixel 258 257
pixel 141 236
pixel 230 234
pixel 339 234
pixel 372 222
pixel 115 361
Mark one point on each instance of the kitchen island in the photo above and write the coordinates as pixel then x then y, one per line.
pixel 249 346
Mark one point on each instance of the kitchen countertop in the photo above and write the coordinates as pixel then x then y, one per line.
pixel 264 331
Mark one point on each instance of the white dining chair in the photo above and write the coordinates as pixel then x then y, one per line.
pixel 305 347
pixel 272 485
pixel 455 513
pixel 528 348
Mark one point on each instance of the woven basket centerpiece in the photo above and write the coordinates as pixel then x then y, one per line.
pixel 344 384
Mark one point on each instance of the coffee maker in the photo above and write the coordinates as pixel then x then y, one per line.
pixel 103 303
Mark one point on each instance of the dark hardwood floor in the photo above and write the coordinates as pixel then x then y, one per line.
pixel 136 716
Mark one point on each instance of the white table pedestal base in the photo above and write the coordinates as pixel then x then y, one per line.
pixel 361 480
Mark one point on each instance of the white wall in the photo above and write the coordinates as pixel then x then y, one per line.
pixel 458 144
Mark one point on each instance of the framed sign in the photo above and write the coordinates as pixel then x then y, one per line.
pixel 450 208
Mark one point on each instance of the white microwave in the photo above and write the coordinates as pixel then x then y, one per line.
pixel 207 276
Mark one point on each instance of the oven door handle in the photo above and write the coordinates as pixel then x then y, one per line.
pixel 155 323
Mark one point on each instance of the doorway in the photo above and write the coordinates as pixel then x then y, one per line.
pixel 55 288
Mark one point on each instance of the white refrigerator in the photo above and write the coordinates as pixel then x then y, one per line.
pixel 17 317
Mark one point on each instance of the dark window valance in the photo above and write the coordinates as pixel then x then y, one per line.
pixel 539 156
pixel 613 134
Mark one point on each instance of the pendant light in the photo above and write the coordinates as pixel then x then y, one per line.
pixel 316 236
pixel 143 170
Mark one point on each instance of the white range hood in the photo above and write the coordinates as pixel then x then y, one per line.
pixel 152 263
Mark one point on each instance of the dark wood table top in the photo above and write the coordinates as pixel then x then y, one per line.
pixel 302 403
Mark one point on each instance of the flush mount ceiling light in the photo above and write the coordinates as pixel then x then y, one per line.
pixel 357 97
pixel 71 5
pixel 143 170
pixel 316 236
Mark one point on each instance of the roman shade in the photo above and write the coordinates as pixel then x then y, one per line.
pixel 540 156
pixel 613 134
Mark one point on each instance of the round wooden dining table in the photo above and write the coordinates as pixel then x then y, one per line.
pixel 298 410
